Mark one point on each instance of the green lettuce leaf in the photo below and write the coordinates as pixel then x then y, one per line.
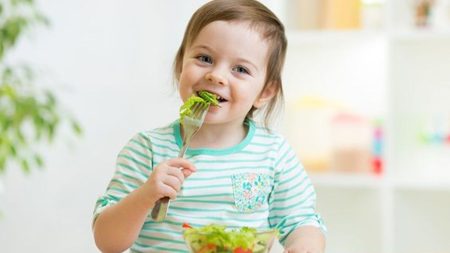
pixel 204 97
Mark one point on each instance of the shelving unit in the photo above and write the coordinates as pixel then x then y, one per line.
pixel 402 75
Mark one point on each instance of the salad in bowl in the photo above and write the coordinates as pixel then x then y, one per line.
pixel 215 238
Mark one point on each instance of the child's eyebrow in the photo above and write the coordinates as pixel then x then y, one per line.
pixel 202 47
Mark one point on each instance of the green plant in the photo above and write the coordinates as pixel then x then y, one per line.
pixel 28 115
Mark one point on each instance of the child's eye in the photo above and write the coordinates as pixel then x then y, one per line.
pixel 241 69
pixel 204 58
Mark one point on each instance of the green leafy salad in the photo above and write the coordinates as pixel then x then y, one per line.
pixel 217 239
pixel 203 97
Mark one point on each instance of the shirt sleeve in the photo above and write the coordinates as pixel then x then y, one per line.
pixel 292 203
pixel 133 166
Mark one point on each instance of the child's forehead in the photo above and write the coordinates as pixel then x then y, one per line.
pixel 218 28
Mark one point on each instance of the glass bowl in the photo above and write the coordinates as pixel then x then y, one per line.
pixel 197 243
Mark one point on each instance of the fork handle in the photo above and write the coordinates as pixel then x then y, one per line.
pixel 159 211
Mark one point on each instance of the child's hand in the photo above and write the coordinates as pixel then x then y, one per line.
pixel 168 176
pixel 307 239
pixel 302 250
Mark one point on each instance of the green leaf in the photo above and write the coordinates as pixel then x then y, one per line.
pixel 38 160
pixel 25 165
pixel 76 128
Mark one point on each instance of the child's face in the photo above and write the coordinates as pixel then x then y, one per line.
pixel 230 60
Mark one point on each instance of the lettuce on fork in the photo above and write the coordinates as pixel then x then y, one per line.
pixel 203 97
pixel 216 238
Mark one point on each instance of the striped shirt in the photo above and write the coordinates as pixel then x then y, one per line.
pixel 257 183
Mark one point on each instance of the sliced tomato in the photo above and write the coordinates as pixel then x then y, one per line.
pixel 186 225
pixel 241 250
pixel 208 248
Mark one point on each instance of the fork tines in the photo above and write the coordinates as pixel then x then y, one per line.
pixel 198 109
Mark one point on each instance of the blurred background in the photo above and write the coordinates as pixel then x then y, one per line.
pixel 367 85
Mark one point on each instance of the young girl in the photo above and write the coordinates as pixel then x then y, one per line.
pixel 236 172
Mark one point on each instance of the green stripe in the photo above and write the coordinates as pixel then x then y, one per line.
pixel 131 178
pixel 164 140
pixel 268 169
pixel 295 166
pixel 120 182
pixel 145 147
pixel 156 247
pixel 206 201
pixel 214 210
pixel 295 205
pixel 259 144
pixel 214 178
pixel 293 196
pixel 290 159
pixel 289 179
pixel 132 169
pixel 164 156
pixel 160 146
pixel 136 161
pixel 291 217
pixel 215 218
pixel 228 161
pixel 265 136
pixel 138 153
pixel 290 188
pixel 206 196
pixel 125 192
pixel 207 186
pixel 145 137
pixel 160 230
pixel 163 134
pixel 281 158
pixel 162 239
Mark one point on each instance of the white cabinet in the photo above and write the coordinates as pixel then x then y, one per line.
pixel 401 74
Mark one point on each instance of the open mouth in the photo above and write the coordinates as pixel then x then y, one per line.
pixel 218 97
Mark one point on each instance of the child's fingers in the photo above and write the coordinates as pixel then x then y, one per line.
pixel 185 164
pixel 173 182
pixel 176 172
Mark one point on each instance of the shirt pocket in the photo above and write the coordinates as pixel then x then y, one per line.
pixel 250 190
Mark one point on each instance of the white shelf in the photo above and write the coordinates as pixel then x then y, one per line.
pixel 369 181
pixel 420 35
pixel 407 72
pixel 296 37
pixel 348 181
pixel 422 185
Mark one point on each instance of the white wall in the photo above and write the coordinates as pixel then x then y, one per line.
pixel 110 62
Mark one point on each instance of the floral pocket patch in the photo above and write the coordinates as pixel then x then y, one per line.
pixel 250 190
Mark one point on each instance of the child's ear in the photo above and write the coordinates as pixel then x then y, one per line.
pixel 266 95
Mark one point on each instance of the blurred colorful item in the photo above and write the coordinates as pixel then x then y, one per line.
pixel 337 14
pixel 435 132
pixel 330 137
pixel 351 139
pixel 377 148
pixel 423 10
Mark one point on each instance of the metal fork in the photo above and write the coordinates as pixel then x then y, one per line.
pixel 190 125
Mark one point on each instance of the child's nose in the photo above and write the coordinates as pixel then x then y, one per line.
pixel 215 77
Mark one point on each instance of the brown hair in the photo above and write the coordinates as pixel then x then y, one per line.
pixel 262 19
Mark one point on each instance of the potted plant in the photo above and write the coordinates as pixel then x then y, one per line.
pixel 28 115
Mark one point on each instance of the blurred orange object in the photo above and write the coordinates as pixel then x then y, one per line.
pixel 342 14
pixel 351 140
